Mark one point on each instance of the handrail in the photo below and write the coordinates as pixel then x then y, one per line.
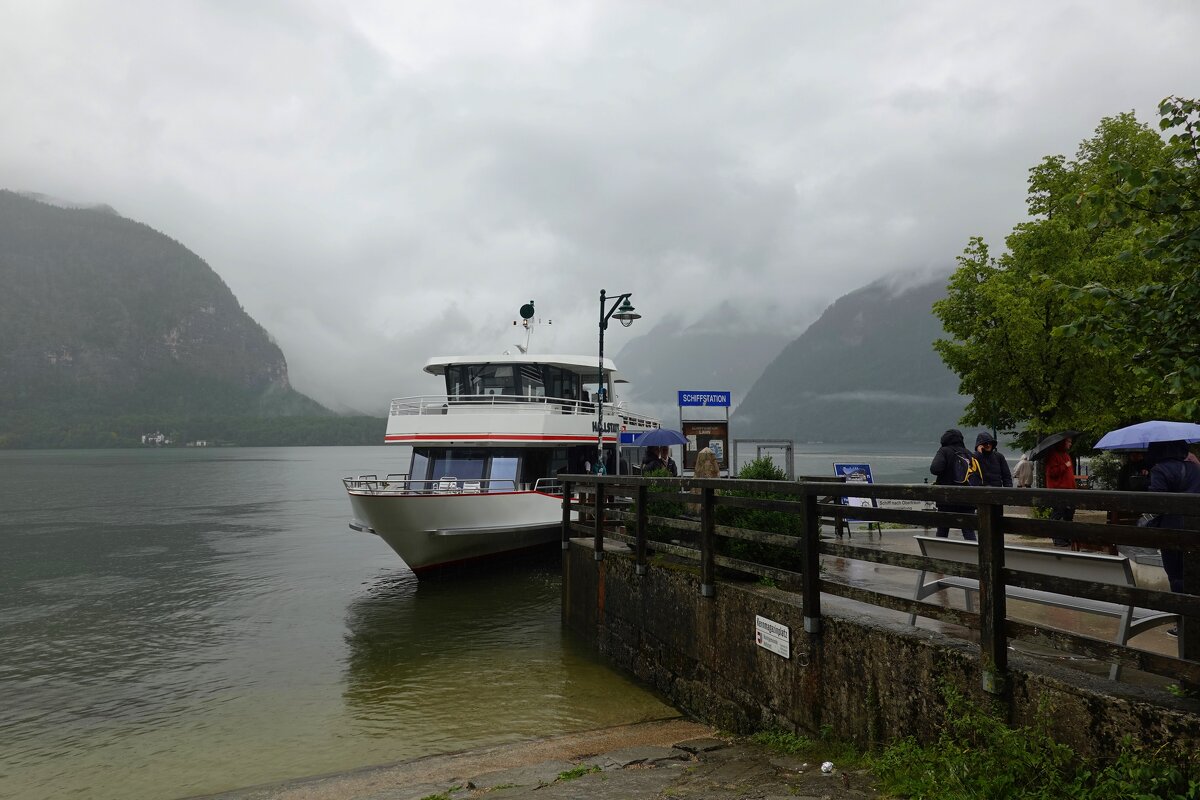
pixel 804 498
pixel 448 484
pixel 427 405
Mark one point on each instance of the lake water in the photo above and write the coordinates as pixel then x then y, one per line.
pixel 176 622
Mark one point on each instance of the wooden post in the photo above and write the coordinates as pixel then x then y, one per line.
pixel 707 542
pixel 993 641
pixel 810 560
pixel 598 547
pixel 642 513
pixel 1189 627
pixel 566 517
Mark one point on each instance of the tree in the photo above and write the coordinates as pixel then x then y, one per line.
pixel 1155 323
pixel 1002 313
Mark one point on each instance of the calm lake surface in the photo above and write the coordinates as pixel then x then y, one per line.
pixel 177 622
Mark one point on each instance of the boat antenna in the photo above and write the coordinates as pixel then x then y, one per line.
pixel 527 322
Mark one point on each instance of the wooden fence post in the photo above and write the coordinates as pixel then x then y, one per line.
pixel 993 640
pixel 707 542
pixel 642 513
pixel 810 560
pixel 566 517
pixel 598 546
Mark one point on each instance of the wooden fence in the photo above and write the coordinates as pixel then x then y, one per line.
pixel 607 504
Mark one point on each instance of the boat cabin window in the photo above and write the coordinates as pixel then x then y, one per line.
pixel 513 380
pixel 462 463
pixel 504 474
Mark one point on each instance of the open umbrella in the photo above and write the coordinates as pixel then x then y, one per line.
pixel 1047 444
pixel 660 437
pixel 1139 436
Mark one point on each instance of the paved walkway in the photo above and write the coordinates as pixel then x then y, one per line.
pixel 669 760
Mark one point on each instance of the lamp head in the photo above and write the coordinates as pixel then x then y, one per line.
pixel 626 313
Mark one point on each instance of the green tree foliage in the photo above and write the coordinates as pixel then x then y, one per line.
pixel 757 519
pixel 1001 313
pixel 1153 322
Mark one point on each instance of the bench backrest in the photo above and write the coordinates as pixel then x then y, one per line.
pixel 1096 567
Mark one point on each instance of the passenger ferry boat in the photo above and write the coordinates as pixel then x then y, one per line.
pixel 486 455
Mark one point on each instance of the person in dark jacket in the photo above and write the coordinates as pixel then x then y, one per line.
pixel 1173 472
pixel 943 468
pixel 992 461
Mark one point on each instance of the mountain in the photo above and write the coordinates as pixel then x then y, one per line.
pixel 101 315
pixel 722 355
pixel 865 371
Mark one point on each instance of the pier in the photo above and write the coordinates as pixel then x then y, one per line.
pixel 802 628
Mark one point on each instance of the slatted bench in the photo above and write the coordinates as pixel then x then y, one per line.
pixel 1095 567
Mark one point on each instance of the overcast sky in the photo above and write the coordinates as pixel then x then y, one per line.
pixel 379 182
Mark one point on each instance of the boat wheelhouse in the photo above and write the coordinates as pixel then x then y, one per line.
pixel 482 478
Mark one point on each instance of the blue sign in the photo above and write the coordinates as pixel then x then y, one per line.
pixel 627 437
pixel 855 473
pixel 699 398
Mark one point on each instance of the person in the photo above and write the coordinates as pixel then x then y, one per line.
pixel 943 467
pixel 1173 472
pixel 992 461
pixel 1134 475
pixel 651 461
pixel 1060 474
pixel 670 462
pixel 1023 472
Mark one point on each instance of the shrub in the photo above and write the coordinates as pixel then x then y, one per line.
pixel 757 519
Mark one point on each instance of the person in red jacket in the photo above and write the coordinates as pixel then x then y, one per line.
pixel 1060 474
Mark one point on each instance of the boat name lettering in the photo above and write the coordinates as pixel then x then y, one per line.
pixel 608 427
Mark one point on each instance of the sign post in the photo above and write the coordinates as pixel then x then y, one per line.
pixel 703 430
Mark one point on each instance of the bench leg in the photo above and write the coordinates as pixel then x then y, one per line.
pixel 1114 672
pixel 912 617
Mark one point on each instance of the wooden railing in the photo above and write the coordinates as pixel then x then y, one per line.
pixel 623 501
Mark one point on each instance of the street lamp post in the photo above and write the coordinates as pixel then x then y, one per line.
pixel 623 310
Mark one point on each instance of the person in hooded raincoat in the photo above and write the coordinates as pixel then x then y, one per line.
pixel 1173 472
pixel 1023 472
pixel 942 467
pixel 992 461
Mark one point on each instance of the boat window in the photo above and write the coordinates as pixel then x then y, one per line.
pixel 461 463
pixel 504 473
pixel 560 383
pixel 419 470
pixel 532 384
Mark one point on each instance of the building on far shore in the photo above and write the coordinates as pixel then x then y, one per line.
pixel 155 439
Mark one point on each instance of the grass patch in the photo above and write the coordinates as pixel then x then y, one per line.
pixel 578 772
pixel 978 756
pixel 823 747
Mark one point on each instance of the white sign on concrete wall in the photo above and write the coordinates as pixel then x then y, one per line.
pixel 772 636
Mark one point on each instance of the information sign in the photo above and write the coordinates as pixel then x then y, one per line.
pixel 702 398
pixel 855 473
pixel 770 635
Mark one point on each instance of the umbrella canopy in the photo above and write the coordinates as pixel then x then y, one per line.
pixel 660 437
pixel 1048 444
pixel 1139 436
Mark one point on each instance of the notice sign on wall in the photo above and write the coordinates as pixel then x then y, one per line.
pixel 772 636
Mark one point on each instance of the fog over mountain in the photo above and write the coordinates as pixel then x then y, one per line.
pixel 865 371
pixel 378 182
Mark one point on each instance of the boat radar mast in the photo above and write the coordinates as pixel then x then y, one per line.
pixel 527 322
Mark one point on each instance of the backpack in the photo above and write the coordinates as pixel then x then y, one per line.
pixel 967 471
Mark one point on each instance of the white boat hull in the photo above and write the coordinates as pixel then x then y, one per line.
pixel 433 530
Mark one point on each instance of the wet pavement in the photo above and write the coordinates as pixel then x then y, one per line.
pixel 665 760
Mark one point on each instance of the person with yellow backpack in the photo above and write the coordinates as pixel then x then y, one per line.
pixel 955 465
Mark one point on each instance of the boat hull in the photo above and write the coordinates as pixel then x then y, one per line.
pixel 431 530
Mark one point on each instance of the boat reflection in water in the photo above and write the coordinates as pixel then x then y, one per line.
pixel 478 659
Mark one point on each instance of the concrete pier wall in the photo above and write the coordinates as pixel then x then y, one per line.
pixel 864 678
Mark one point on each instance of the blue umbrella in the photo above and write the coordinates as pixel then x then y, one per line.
pixel 1139 436
pixel 660 437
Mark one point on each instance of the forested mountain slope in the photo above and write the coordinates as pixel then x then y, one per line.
pixel 864 372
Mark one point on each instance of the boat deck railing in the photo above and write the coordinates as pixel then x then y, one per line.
pixel 422 405
pixel 400 484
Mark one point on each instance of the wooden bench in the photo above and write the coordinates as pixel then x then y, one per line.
pixel 1095 567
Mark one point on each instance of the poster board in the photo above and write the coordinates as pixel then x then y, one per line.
pixel 713 435
pixel 855 473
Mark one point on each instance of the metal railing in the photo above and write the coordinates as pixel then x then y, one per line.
pixel 427 405
pixel 399 484
pixel 624 499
